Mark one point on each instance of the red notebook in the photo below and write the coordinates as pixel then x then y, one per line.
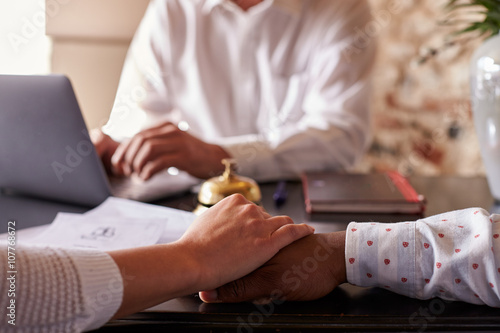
pixel 387 192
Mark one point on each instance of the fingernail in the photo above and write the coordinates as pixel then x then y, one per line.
pixel 310 227
pixel 210 296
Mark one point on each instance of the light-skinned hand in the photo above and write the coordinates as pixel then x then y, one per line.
pixel 226 242
pixel 237 237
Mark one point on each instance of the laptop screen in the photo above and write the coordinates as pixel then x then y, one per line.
pixel 45 149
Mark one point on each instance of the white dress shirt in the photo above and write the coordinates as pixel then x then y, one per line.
pixel 454 256
pixel 282 87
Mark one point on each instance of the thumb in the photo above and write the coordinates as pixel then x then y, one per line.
pixel 248 288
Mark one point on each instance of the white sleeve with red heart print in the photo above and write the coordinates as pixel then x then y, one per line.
pixel 454 256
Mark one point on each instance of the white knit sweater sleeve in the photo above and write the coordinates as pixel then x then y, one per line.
pixel 57 290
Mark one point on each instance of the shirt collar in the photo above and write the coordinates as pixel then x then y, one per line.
pixel 292 6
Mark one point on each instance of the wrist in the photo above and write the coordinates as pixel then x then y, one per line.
pixel 337 264
pixel 219 154
pixel 190 268
pixel 153 274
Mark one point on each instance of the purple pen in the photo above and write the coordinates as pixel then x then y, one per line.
pixel 280 194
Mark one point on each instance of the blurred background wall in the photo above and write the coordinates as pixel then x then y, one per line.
pixel 90 39
pixel 421 108
pixel 24 47
pixel 421 112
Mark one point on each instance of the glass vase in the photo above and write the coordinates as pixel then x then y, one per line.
pixel 485 98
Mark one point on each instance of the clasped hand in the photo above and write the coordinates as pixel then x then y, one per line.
pixel 158 148
pixel 307 269
pixel 235 237
pixel 226 242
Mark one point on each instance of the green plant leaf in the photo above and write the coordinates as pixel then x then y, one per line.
pixel 490 9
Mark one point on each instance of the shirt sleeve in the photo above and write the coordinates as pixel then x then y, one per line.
pixel 334 130
pixel 454 256
pixel 58 290
pixel 142 83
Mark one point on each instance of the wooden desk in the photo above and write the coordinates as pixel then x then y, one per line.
pixel 347 308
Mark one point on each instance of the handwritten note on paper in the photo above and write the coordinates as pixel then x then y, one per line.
pixel 116 224
pixel 176 221
pixel 106 233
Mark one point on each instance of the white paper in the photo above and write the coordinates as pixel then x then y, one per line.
pixel 116 224
pixel 176 221
pixel 113 206
pixel 106 233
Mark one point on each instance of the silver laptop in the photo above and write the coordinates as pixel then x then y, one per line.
pixel 45 149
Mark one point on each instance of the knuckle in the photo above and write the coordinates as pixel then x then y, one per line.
pixel 237 289
pixel 148 147
pixel 287 219
pixel 293 232
pixel 256 287
pixel 138 163
pixel 139 137
pixel 148 167
pixel 238 197
pixel 169 128
pixel 252 211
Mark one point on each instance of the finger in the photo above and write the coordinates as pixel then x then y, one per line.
pixel 123 158
pixel 154 166
pixel 248 288
pixel 151 150
pixel 137 142
pixel 274 223
pixel 162 125
pixel 117 158
pixel 143 156
pixel 289 233
pixel 151 144
pixel 265 213
pixel 279 220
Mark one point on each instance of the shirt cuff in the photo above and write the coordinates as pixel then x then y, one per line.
pixel 102 287
pixel 253 156
pixel 382 255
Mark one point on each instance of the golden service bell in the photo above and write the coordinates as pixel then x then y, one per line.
pixel 217 188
